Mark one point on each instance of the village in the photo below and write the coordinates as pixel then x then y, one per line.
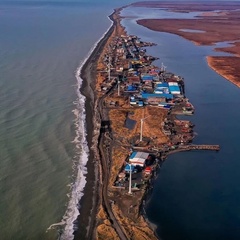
pixel 130 76
pixel 140 107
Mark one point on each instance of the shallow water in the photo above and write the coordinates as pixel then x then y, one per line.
pixel 41 47
pixel 191 30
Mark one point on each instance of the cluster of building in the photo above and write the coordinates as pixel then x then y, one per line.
pixel 155 87
pixel 179 131
pixel 140 165
pixel 131 70
pixel 131 75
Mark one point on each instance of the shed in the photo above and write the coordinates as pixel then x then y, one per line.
pixel 148 170
pixel 133 100
pixel 129 168
pixel 140 103
pixel 161 85
pixel 131 88
pixel 147 78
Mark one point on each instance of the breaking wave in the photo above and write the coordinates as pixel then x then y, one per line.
pixel 68 222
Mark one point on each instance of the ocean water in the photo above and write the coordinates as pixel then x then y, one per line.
pixel 43 148
pixel 43 151
pixel 196 194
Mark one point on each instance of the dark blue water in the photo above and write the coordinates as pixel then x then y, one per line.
pixel 197 194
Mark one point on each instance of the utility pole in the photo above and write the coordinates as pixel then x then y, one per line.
pixel 118 87
pixel 130 180
pixel 109 71
pixel 141 128
pixel 163 68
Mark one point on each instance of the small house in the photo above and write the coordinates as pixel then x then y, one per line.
pixel 130 168
pixel 148 170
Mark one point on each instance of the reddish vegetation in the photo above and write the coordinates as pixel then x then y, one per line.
pixel 214 30
pixel 226 66
pixel 186 6
pixel 218 26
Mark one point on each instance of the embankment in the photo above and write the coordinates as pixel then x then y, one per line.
pixel 86 220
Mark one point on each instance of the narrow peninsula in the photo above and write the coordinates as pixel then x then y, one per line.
pixel 136 125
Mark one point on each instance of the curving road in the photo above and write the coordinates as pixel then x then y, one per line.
pixel 105 155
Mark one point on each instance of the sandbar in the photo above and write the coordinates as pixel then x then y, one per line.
pixel 218 22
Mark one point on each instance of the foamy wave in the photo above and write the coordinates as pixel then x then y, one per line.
pixel 72 212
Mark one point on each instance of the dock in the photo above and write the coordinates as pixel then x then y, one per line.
pixel 195 147
pixel 200 147
pixel 180 148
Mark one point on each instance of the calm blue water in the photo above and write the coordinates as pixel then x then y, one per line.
pixel 197 194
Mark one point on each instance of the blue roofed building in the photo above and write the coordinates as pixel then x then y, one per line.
pixel 131 88
pixel 161 85
pixel 147 78
pixel 129 168
pixel 161 88
pixel 157 95
pixel 174 88
pixel 138 158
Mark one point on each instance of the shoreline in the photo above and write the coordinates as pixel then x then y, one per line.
pixel 215 28
pixel 220 66
pixel 88 74
pixel 112 220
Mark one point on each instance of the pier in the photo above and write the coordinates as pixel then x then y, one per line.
pixel 195 147
pixel 180 148
pixel 200 147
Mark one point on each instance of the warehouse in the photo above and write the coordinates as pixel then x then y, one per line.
pixel 138 158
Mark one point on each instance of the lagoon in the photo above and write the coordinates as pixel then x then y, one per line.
pixel 196 194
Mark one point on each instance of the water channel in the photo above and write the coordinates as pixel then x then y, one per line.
pixel 196 194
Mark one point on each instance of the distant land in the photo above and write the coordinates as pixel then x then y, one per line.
pixel 218 22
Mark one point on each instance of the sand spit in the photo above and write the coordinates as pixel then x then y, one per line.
pixel 97 214
pixel 123 227
pixel 119 204
pixel 226 67
pixel 220 26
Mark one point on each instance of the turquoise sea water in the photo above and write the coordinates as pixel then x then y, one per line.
pixel 196 194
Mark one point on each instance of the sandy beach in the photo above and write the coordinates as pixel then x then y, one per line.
pixel 88 74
